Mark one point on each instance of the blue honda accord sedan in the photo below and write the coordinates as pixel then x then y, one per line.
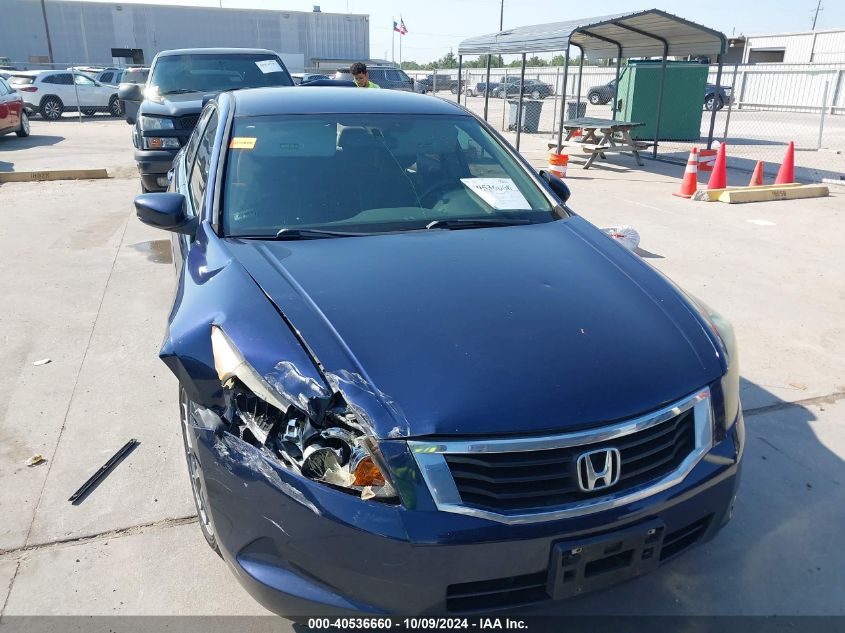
pixel 413 380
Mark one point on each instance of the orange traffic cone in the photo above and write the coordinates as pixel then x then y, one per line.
pixel 786 173
pixel 690 182
pixel 757 176
pixel 719 177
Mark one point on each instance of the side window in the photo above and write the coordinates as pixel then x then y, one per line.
pixel 3 90
pixel 51 79
pixel 376 75
pixel 82 80
pixel 106 77
pixel 193 141
pixel 199 173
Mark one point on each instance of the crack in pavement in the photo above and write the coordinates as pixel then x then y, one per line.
pixel 76 379
pixel 132 530
pixel 830 398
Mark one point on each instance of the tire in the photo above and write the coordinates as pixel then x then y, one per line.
pixel 195 474
pixel 115 106
pixel 594 98
pixel 453 90
pixel 710 101
pixel 51 108
pixel 535 94
pixel 23 131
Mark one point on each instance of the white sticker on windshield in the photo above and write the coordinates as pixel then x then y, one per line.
pixel 499 193
pixel 269 66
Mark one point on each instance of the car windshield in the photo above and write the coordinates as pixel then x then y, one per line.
pixel 371 173
pixel 217 72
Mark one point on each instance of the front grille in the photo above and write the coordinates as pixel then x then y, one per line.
pixel 525 480
pixel 189 121
pixel 499 593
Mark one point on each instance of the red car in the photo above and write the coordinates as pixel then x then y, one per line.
pixel 13 116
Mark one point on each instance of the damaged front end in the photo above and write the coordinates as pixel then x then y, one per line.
pixel 314 433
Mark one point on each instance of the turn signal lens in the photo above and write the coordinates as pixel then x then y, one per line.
pixel 367 474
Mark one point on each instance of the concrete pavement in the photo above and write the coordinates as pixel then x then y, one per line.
pixel 89 287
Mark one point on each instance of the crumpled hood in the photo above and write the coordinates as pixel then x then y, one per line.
pixel 174 105
pixel 538 328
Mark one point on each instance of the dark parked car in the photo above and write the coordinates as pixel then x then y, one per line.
pixel 136 75
pixel 600 95
pixel 13 115
pixel 717 97
pixel 432 387
pixel 534 89
pixel 178 83
pixel 443 82
pixel 388 77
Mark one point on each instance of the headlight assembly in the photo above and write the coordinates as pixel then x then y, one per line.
pixel 156 123
pixel 328 450
pixel 730 381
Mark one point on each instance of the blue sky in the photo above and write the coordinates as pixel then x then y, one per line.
pixel 435 26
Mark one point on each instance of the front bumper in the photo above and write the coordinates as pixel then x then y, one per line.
pixel 153 166
pixel 304 549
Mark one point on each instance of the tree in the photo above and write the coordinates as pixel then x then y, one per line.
pixel 536 61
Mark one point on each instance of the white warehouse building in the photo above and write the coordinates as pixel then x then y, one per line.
pixel 106 33
pixel 808 47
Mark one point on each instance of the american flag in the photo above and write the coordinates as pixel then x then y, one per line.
pixel 400 27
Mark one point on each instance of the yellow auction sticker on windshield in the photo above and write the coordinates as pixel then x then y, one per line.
pixel 242 142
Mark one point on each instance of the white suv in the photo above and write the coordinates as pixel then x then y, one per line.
pixel 51 92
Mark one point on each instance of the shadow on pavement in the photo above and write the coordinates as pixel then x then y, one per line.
pixel 780 555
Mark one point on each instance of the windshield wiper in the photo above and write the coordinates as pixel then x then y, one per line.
pixel 310 234
pixel 469 223
pixel 179 91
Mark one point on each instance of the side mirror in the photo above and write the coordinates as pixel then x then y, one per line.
pixel 558 187
pixel 130 92
pixel 165 211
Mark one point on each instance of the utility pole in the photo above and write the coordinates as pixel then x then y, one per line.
pixel 815 17
pixel 47 31
pixel 501 26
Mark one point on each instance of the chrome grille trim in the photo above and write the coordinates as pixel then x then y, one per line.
pixel 432 463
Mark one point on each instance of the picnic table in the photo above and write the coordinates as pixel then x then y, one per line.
pixel 600 137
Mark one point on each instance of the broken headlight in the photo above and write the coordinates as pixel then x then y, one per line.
pixel 330 448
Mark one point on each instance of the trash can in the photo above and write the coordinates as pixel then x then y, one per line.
pixel 531 110
pixel 571 112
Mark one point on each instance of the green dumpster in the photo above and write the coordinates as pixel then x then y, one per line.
pixel 683 99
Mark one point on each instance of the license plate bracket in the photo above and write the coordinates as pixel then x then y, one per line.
pixel 583 565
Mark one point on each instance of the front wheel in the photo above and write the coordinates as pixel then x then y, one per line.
pixel 23 130
pixel 52 108
pixel 594 98
pixel 711 102
pixel 535 94
pixel 195 472
pixel 115 106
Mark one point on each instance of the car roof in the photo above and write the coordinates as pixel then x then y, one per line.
pixel 327 99
pixel 216 51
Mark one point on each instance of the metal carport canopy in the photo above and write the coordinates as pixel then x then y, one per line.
pixel 684 37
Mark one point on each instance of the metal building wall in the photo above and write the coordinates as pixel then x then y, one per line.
pixel 85 32
pixel 802 48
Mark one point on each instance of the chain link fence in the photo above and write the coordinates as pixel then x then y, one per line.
pixel 62 91
pixel 760 108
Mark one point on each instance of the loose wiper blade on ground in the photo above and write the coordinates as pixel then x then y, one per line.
pixel 469 223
